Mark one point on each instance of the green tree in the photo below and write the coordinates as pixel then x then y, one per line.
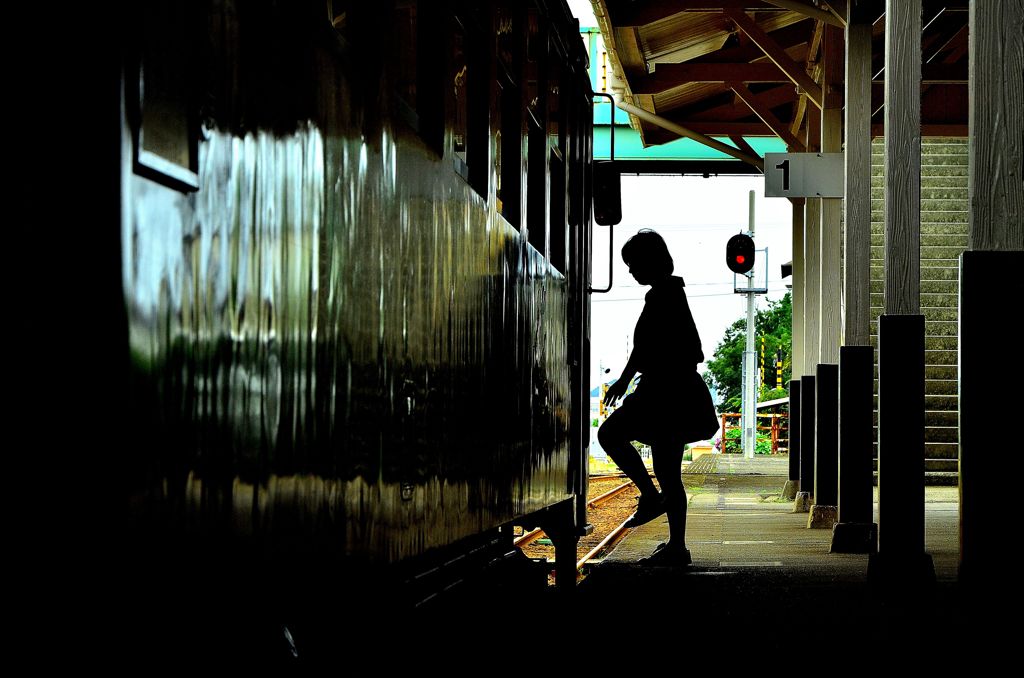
pixel 725 370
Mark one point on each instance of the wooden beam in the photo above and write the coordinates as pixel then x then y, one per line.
pixel 627 47
pixel 794 71
pixel 808 10
pixel 857 190
pixel 643 13
pixel 903 157
pixel 742 144
pixel 840 9
pixel 812 50
pixel 996 218
pixel 643 114
pixel 776 96
pixel 832 67
pixel 798 115
pixel 668 76
pixel 765 114
pixel 725 129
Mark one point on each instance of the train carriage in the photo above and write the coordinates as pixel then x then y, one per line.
pixel 354 245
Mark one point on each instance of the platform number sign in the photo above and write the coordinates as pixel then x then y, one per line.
pixel 784 166
pixel 803 175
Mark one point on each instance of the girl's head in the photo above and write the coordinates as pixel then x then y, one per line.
pixel 647 257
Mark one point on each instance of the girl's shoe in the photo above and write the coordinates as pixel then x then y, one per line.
pixel 668 556
pixel 647 509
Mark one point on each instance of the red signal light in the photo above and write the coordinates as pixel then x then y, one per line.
pixel 739 253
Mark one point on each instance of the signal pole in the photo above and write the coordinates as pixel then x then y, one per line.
pixel 748 412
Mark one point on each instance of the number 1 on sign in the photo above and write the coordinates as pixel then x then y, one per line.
pixel 784 166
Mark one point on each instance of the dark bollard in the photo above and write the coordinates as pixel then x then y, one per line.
pixel 856 531
pixel 901 559
pixel 826 448
pixel 793 483
pixel 803 498
pixel 988 280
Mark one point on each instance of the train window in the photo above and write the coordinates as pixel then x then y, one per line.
pixel 470 124
pixel 536 60
pixel 339 12
pixel 509 150
pixel 402 54
pixel 430 83
pixel 554 86
pixel 505 35
pixel 556 198
pixel 536 186
pixel 460 86
pixel 507 107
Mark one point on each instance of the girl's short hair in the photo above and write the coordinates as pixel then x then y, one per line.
pixel 648 247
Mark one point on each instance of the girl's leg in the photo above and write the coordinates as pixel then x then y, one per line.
pixel 668 462
pixel 614 436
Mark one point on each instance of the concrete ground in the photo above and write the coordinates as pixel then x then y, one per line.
pixel 759 574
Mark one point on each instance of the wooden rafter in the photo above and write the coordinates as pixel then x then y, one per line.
pixel 798 115
pixel 742 144
pixel 712 128
pixel 735 110
pixel 643 13
pixel 808 10
pixel 667 76
pixel 773 51
pixel 839 8
pixel 766 115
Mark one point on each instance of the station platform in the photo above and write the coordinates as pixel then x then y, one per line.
pixel 761 579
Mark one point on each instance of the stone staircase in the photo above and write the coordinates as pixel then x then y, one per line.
pixel 944 213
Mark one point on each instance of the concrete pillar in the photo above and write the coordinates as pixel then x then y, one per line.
pixel 793 483
pixel 824 511
pixel 856 531
pixel 804 498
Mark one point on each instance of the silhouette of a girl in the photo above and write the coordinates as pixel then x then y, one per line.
pixel 670 406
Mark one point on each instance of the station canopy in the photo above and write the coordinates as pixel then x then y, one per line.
pixel 749 72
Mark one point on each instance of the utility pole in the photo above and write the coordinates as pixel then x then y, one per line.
pixel 749 409
pixel 740 256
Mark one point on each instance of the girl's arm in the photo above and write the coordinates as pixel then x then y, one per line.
pixel 618 389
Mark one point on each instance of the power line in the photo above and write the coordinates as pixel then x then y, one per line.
pixel 688 296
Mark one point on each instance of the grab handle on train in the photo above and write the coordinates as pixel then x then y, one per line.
pixel 607 192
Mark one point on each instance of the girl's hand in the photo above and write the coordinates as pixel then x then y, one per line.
pixel 615 391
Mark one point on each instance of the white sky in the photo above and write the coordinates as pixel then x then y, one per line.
pixel 696 216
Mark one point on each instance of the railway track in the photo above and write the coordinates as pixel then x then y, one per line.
pixel 608 509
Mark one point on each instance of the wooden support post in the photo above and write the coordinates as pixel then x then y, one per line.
pixel 812 258
pixel 996 127
pixel 830 317
pixel 901 559
pixel 856 531
pixel 812 283
pixel 826 427
pixel 799 276
pixel 857 221
pixel 990 277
